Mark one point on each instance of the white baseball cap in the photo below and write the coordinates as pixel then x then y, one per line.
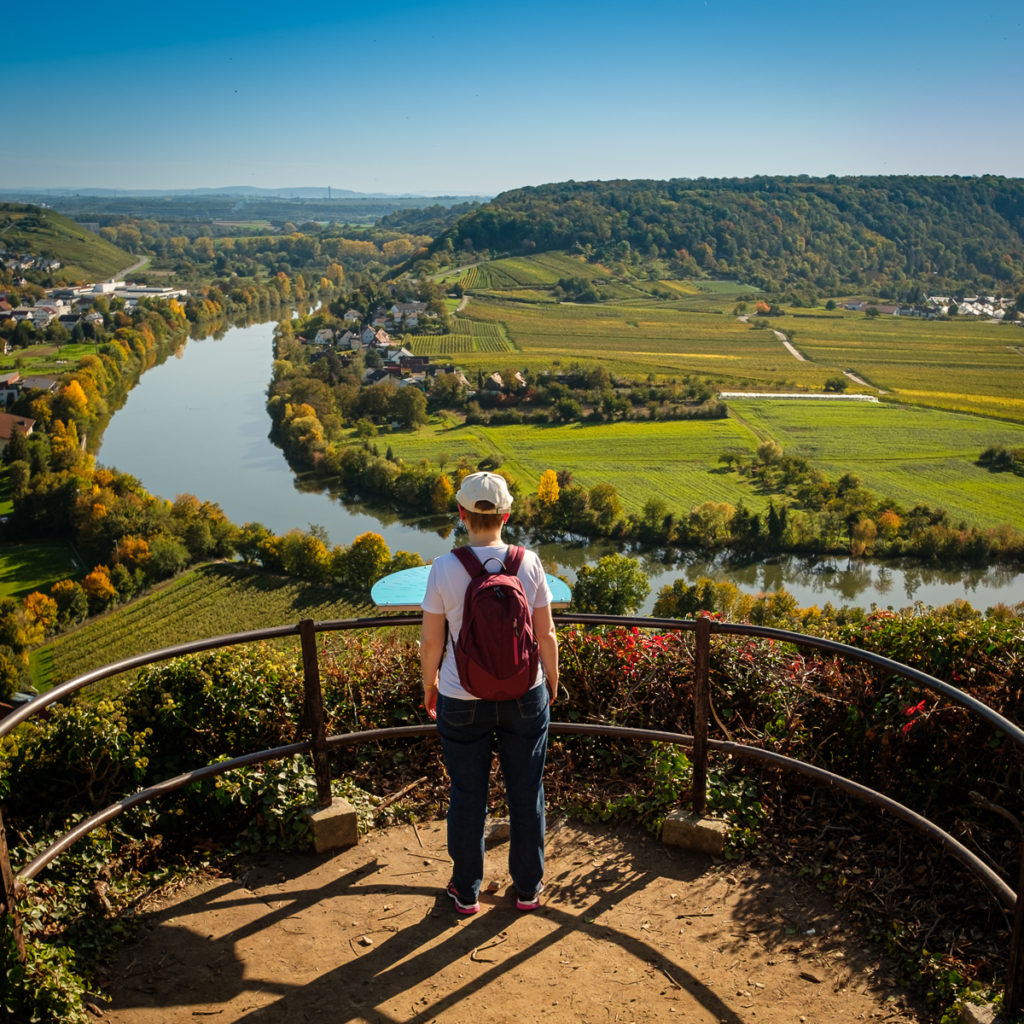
pixel 484 487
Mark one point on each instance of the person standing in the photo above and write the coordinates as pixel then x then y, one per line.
pixel 470 727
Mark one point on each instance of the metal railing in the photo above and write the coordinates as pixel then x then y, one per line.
pixel 318 744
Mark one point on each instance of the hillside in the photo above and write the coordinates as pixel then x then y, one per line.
pixel 901 237
pixel 45 233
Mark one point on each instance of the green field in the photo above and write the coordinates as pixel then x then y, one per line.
pixel 915 456
pixel 911 455
pixel 676 461
pixel 33 566
pixel 46 359
pixel 961 365
pixel 213 600
pixel 631 340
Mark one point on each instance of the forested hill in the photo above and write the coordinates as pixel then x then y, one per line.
pixel 895 236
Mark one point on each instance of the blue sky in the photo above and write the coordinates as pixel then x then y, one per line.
pixel 458 98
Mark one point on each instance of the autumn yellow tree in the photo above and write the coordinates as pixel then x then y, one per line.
pixel 40 616
pixel 889 522
pixel 335 273
pixel 547 490
pixel 132 552
pixel 98 588
pixel 65 446
pixel 442 493
pixel 862 537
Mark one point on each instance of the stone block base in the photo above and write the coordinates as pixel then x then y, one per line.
pixel 334 827
pixel 704 835
pixel 983 1014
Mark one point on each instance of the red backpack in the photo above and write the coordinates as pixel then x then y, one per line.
pixel 496 652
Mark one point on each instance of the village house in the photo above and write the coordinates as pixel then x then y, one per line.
pixel 398 355
pixel 9 423
pixel 374 375
pixel 38 383
pixel 10 387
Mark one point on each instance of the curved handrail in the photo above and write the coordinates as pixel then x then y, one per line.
pixel 319 743
pixel 991 880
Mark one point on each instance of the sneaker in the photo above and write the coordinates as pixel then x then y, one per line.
pixel 462 908
pixel 529 902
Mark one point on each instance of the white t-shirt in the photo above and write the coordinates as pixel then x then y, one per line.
pixel 446 595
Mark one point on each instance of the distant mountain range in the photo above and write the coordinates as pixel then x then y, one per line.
pixel 318 192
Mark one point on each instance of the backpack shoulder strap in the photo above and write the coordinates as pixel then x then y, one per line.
pixel 469 561
pixel 514 559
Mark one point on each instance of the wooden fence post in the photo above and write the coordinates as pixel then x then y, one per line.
pixel 313 716
pixel 701 714
pixel 9 904
pixel 1014 992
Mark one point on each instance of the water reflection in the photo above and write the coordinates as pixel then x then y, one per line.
pixel 812 582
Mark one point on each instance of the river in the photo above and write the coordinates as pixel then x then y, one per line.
pixel 198 424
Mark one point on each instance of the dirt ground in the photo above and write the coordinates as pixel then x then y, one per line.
pixel 630 930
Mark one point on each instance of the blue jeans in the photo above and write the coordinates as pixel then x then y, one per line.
pixel 467 729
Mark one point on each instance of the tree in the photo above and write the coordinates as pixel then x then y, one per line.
pixel 547 489
pixel 605 507
pixel 709 522
pixel 17 447
pixel 681 601
pixel 72 403
pixel 364 562
pixel 66 452
pixel 889 522
pixel 862 537
pixel 40 611
pixel 568 410
pixel 769 452
pixel 19 474
pixel 305 555
pixel 132 552
pixel 442 494
pixel 167 556
pixel 404 560
pixel 250 541
pixel 409 407
pixel 98 588
pixel 837 384
pixel 72 604
pixel 617 585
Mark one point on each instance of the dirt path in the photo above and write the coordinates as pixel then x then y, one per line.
pixel 630 930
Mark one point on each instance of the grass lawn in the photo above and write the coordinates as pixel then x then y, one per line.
pixel 36 566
